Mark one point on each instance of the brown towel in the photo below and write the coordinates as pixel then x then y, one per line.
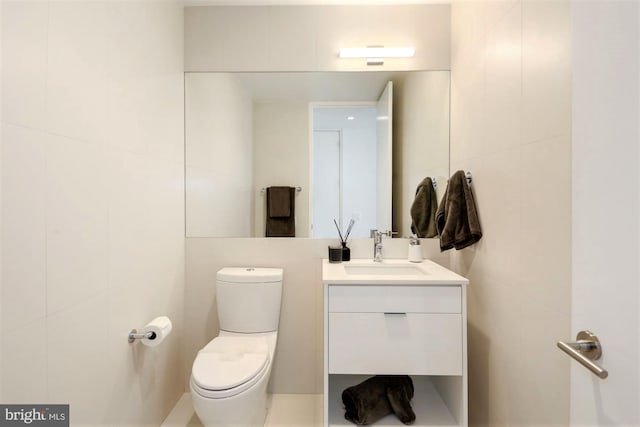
pixel 279 202
pixel 423 210
pixel 377 397
pixel 457 219
pixel 281 212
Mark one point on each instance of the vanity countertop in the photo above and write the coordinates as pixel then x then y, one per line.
pixel 388 272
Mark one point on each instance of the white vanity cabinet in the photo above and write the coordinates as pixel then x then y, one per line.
pixel 397 324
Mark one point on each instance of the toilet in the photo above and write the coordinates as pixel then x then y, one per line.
pixel 230 374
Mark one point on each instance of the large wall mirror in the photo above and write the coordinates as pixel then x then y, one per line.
pixel 350 145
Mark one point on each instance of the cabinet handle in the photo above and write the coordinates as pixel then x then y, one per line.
pixel 395 313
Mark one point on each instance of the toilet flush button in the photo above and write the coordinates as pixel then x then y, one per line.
pixel 250 269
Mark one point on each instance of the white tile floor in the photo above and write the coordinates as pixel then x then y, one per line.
pixel 285 410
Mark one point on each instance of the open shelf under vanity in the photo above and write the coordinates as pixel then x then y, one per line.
pixel 434 403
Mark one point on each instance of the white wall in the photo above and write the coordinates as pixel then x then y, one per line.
pixel 1 174
pixel 421 139
pixel 281 158
pixel 307 38
pixel 219 155
pixel 292 39
pixel 233 144
pixel 92 206
pixel 606 208
pixel 511 127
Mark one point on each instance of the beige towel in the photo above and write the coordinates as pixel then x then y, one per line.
pixel 423 210
pixel 457 218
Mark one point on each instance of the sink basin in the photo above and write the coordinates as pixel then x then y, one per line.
pixel 385 269
pixel 364 271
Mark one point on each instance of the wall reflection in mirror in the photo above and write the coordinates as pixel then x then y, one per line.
pixel 322 132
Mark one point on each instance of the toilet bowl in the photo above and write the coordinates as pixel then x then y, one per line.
pixel 229 379
pixel 230 374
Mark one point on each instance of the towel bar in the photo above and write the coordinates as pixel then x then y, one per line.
pixel 263 189
pixel 586 349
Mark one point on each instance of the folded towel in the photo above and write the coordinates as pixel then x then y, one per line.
pixel 423 210
pixel 399 396
pixel 278 202
pixel 457 218
pixel 281 221
pixel 377 397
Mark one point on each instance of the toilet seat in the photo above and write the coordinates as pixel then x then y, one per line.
pixel 229 365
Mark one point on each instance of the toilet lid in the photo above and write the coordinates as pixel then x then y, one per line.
pixel 227 362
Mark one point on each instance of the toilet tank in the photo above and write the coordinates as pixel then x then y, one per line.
pixel 248 299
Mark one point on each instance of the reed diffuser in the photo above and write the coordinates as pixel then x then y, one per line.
pixel 346 252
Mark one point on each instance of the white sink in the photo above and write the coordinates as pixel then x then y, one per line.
pixel 389 271
pixel 385 269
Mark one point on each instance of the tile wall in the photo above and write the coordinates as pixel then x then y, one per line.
pixel 92 206
pixel 1 234
pixel 511 127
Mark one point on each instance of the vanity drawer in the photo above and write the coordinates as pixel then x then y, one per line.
pixel 395 298
pixel 378 343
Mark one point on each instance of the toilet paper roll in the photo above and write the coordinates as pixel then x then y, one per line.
pixel 161 327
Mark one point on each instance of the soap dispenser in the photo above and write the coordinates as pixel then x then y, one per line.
pixel 415 250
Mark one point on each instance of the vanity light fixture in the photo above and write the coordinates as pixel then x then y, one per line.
pixel 376 54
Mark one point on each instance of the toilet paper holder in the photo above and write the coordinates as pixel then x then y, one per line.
pixel 134 335
pixel 154 333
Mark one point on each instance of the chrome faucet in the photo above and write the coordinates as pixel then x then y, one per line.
pixel 377 243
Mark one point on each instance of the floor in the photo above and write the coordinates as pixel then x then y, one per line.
pixel 285 410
